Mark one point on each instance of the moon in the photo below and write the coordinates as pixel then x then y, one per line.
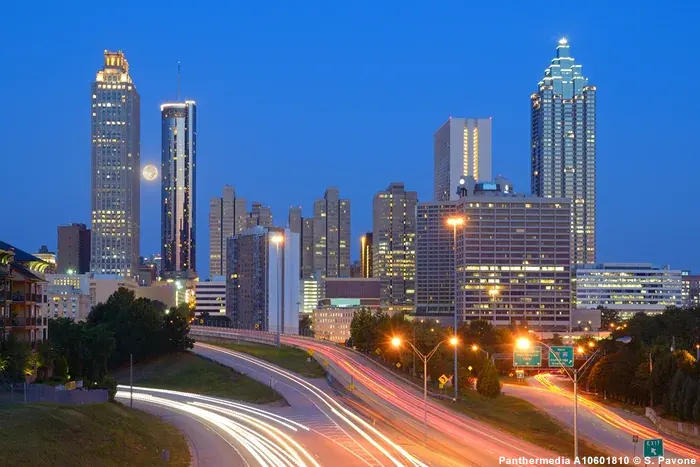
pixel 150 172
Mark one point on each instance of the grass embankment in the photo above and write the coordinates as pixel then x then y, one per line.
pixel 289 358
pixel 189 373
pixel 523 420
pixel 101 434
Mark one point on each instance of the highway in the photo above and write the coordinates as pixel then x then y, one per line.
pixel 609 429
pixel 473 442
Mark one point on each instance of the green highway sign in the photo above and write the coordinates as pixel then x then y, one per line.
pixel 653 447
pixel 528 357
pixel 561 356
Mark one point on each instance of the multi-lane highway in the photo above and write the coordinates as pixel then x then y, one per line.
pixel 469 441
pixel 609 429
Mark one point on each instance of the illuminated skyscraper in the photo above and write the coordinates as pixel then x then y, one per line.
pixel 116 169
pixel 394 246
pixel 564 147
pixel 462 146
pixel 366 260
pixel 178 189
pixel 331 235
pixel 227 217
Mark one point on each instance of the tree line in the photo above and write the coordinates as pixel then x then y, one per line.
pixel 121 327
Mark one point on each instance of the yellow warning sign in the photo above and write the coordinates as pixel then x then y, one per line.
pixel 443 379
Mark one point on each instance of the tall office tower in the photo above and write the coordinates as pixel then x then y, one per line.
pixel 462 146
pixel 262 283
pixel 178 189
pixel 259 215
pixel 116 169
pixel 529 285
pixel 331 235
pixel 227 217
pixel 366 251
pixel 73 249
pixel 304 227
pixel 394 246
pixel 564 147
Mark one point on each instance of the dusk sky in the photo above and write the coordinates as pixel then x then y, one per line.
pixel 294 97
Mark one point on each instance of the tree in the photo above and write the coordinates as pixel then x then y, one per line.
pixel 305 325
pixel 366 328
pixel 488 383
pixel 608 317
pixel 16 356
pixel 674 393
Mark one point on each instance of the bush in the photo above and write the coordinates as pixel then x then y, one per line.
pixel 488 383
pixel 110 384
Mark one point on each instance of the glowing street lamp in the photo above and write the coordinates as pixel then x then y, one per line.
pixel 397 342
pixel 455 222
pixel 476 348
pixel 523 343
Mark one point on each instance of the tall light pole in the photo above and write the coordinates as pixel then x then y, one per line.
pixel 277 240
pixel 396 342
pixel 524 343
pixel 476 348
pixel 454 222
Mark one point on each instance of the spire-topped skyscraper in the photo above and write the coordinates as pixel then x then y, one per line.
pixel 564 147
pixel 116 169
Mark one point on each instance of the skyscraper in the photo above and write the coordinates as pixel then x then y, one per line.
pixel 366 260
pixel 116 169
pixel 462 146
pixel 304 227
pixel 73 249
pixel 227 217
pixel 259 215
pixel 394 245
pixel 564 147
pixel 331 235
pixel 178 189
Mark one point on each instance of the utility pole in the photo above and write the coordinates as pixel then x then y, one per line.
pixel 575 413
pixel 651 388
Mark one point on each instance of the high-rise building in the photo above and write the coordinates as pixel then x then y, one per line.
pixel 73 249
pixel 564 147
pixel 331 235
pixel 394 246
pixel 210 296
pixel 531 284
pixel 227 217
pixel 259 215
pixel 304 226
pixel 690 292
pixel 116 169
pixel 462 147
pixel 262 280
pixel 628 288
pixel 178 189
pixel 366 260
pixel 311 290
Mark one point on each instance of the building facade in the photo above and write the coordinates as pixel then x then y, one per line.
pixel 311 291
pixel 210 296
pixel 691 290
pixel 462 147
pixel 366 252
pixel 304 226
pixel 259 215
pixel 331 235
pixel 394 246
pixel 512 258
pixel 628 288
pixel 73 249
pixel 564 147
pixel 116 169
pixel 65 301
pixel 178 189
pixel 262 282
pixel 227 217
pixel 342 298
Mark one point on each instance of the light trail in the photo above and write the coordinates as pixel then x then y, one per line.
pixel 360 426
pixel 610 417
pixel 267 444
pixel 408 401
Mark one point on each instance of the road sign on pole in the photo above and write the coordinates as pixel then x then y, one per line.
pixel 528 357
pixel 442 379
pixel 561 356
pixel 653 447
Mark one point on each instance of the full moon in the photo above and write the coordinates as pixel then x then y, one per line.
pixel 150 172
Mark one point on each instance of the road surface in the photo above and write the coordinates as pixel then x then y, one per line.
pixel 475 442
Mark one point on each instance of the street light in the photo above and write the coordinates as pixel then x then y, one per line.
pixel 277 240
pixel 396 342
pixel 524 343
pixel 476 348
pixel 454 222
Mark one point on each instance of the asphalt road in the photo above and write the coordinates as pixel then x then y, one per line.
pixel 467 441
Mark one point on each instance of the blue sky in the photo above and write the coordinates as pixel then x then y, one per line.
pixel 297 96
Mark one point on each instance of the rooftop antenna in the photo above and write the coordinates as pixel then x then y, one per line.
pixel 178 81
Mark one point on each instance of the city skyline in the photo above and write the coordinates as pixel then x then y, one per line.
pixel 615 241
